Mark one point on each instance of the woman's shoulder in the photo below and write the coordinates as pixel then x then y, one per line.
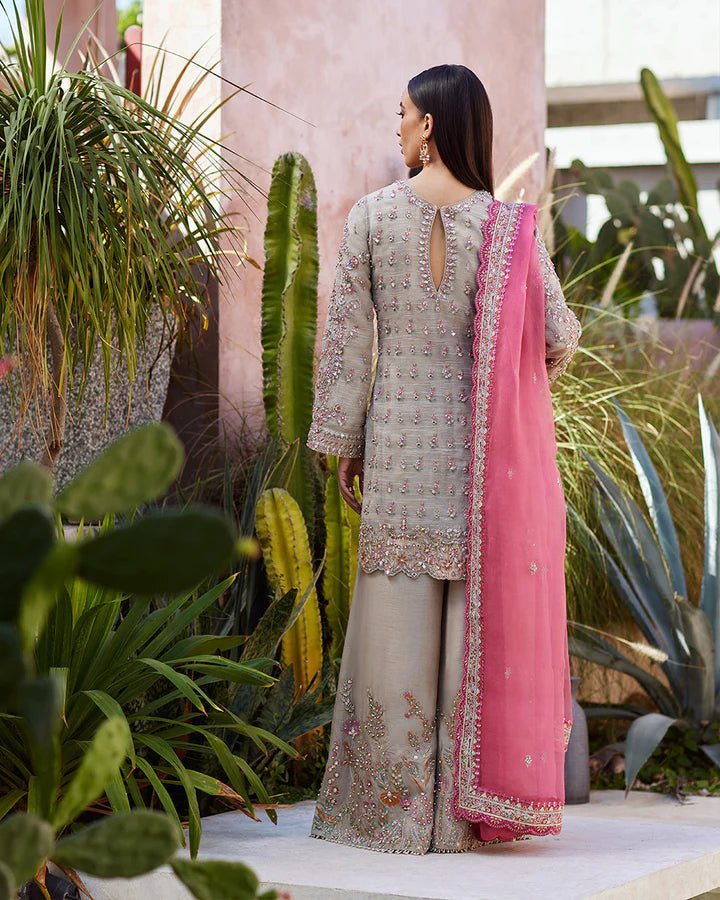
pixel 384 194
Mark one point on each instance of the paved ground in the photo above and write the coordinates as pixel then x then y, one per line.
pixel 645 847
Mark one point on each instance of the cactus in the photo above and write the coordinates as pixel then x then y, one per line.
pixel 25 843
pixel 283 536
pixel 662 110
pixel 289 319
pixel 123 845
pixel 99 764
pixel 342 525
pixel 135 469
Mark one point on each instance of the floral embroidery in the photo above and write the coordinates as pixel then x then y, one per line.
pixel 396 802
pixel 424 353
pixel 370 797
pixel 339 412
pixel 562 327
pixel 414 550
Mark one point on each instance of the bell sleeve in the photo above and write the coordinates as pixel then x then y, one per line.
pixel 562 327
pixel 343 380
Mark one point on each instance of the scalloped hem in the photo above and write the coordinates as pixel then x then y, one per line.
pixel 412 550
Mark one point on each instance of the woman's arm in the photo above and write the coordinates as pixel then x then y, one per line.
pixel 343 381
pixel 562 327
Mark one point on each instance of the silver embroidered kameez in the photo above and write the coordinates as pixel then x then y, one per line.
pixel 409 418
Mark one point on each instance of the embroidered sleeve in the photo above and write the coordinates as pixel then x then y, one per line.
pixel 342 383
pixel 562 327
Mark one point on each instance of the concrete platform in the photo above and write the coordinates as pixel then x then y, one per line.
pixel 648 847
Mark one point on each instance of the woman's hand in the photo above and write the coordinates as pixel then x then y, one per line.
pixel 348 468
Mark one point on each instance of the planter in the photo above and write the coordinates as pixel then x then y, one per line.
pixel 85 434
pixel 577 755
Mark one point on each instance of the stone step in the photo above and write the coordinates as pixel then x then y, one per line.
pixel 646 847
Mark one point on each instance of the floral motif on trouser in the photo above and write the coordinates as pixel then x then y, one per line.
pixel 388 781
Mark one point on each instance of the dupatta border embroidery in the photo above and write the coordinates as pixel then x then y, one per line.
pixel 470 800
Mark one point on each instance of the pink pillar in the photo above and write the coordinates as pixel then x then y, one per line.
pixel 328 79
pixel 133 58
pixel 75 13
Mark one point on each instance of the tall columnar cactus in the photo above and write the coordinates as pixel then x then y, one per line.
pixel 342 524
pixel 289 318
pixel 283 536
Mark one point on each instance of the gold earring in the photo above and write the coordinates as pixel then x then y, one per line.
pixel 424 151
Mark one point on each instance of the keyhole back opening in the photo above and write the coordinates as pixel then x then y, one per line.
pixel 438 250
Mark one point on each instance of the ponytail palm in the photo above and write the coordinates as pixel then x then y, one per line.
pixel 106 212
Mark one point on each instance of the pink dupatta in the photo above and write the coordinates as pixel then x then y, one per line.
pixel 514 715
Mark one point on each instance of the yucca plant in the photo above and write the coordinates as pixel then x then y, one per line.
pixel 109 202
pixel 641 557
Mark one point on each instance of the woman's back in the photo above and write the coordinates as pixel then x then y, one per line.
pixel 414 434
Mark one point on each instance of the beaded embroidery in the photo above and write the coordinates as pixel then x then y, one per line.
pixel 414 550
pixel 414 431
pixel 338 418
pixel 562 327
pixel 395 801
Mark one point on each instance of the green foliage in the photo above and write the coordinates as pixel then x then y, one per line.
pixel 107 700
pixel 8 886
pixel 210 879
pixel 670 249
pixel 25 843
pixel 199 541
pixel 25 483
pixel 286 549
pixel 98 765
pixel 137 468
pixel 106 213
pixel 289 295
pixel 289 320
pixel 282 710
pixel 123 845
pixel 342 525
pixel 644 565
pixel 665 117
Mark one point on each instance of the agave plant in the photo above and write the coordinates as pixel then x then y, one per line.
pixel 643 562
pixel 106 212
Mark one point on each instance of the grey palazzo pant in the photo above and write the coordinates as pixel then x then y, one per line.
pixel 388 781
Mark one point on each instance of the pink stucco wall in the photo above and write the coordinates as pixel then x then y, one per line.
pixel 330 77
pixel 103 25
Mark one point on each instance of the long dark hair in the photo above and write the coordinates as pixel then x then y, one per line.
pixel 462 121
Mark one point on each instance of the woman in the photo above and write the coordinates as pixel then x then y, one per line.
pixel 453 706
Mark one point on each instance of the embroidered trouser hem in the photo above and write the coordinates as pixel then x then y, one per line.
pixel 389 776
